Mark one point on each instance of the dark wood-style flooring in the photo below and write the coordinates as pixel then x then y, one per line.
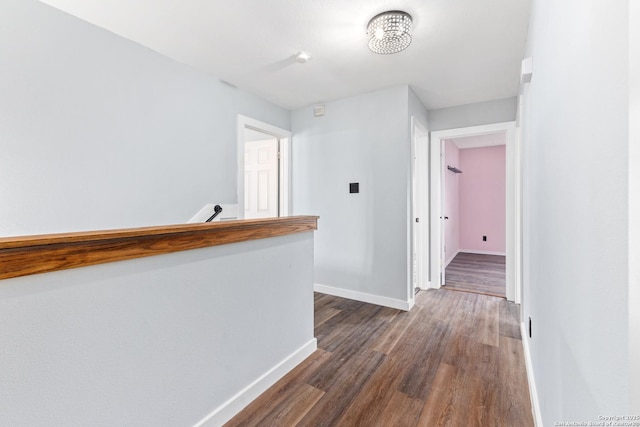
pixel 455 359
pixel 482 274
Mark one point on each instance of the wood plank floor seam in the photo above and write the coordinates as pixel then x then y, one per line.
pixel 455 359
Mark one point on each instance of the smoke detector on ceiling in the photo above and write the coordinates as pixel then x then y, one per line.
pixel 302 57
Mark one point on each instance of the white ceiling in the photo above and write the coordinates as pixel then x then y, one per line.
pixel 463 51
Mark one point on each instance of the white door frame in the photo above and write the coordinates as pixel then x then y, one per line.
pixel 419 234
pixel 634 206
pixel 513 197
pixel 284 162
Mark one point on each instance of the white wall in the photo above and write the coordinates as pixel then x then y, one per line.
pixel 157 341
pixel 575 204
pixel 100 132
pixel 362 241
pixel 418 110
pixel 634 205
pixel 481 113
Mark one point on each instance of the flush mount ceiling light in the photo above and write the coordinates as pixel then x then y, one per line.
pixel 389 32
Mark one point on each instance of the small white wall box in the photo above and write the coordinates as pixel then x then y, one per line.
pixel 526 70
pixel 318 111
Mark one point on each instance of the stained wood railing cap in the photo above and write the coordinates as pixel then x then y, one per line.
pixel 23 255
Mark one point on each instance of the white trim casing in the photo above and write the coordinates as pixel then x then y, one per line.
pixel 634 207
pixel 233 406
pixel 284 163
pixel 435 212
pixel 285 176
pixel 533 391
pixel 519 204
pixel 364 297
pixel 418 232
pixel 512 196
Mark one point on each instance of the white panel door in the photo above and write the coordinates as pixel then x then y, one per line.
pixel 421 207
pixel 261 178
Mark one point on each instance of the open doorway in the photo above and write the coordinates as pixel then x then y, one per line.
pixel 261 174
pixel 263 169
pixel 474 209
pixel 512 208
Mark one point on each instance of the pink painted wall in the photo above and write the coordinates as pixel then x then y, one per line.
pixel 451 201
pixel 482 204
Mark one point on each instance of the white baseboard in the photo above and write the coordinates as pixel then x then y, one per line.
pixel 364 297
pixel 451 259
pixel 533 392
pixel 473 251
pixel 233 406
